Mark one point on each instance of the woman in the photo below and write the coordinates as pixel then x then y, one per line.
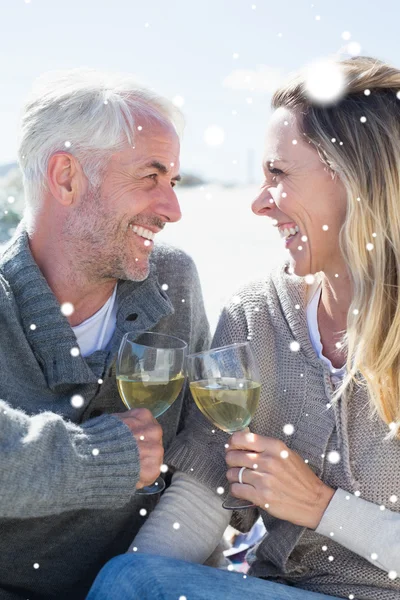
pixel 322 463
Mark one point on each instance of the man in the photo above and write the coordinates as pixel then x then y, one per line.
pixel 100 158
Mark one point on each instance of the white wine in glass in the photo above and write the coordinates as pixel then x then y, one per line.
pixel 150 374
pixel 225 385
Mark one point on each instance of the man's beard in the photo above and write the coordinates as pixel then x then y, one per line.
pixel 99 244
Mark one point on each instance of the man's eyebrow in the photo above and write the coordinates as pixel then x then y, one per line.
pixel 155 164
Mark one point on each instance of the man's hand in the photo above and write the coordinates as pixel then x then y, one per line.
pixel 148 434
pixel 276 479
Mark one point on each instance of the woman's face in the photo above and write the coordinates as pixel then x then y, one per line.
pixel 301 196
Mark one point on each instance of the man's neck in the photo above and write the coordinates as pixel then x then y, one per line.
pixel 55 261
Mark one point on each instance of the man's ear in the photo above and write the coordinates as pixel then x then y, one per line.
pixel 65 178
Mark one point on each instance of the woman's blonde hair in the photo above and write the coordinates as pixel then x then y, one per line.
pixel 365 154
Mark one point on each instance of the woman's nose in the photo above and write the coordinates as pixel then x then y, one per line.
pixel 263 203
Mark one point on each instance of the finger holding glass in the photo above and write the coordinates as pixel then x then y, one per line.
pixel 150 374
pixel 225 385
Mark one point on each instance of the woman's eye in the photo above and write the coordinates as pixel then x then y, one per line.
pixel 274 171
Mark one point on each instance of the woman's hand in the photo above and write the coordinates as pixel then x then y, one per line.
pixel 276 479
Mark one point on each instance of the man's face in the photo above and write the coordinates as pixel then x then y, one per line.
pixel 112 224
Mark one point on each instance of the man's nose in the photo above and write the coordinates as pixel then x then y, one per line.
pixel 168 206
pixel 263 203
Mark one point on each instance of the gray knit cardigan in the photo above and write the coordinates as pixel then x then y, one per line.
pixel 297 389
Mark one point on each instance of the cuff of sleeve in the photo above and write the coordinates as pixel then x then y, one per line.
pixel 205 461
pixel 339 513
pixel 109 459
pixel 356 524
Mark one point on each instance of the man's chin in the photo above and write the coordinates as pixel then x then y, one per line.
pixel 137 274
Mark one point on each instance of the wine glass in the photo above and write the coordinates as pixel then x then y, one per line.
pixel 225 384
pixel 150 374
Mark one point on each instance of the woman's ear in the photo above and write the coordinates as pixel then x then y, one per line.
pixel 64 178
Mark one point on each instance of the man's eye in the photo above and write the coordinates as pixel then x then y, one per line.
pixel 153 176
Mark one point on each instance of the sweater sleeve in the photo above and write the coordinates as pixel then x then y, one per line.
pixel 177 527
pixel 363 528
pixel 48 465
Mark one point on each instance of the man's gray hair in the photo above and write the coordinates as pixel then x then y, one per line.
pixel 89 114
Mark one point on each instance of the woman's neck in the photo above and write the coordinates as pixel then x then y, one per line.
pixel 332 317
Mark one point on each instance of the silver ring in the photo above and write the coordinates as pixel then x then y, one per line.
pixel 241 475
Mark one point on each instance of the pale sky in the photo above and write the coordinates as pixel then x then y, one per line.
pixel 189 48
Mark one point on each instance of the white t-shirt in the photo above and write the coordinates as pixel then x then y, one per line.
pixel 96 332
pixel 315 337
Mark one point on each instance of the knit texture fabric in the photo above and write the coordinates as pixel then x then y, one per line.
pixel 68 471
pixel 297 390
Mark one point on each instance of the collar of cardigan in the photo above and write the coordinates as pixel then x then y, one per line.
pixel 141 305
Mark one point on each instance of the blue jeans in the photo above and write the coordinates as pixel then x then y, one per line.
pixel 146 577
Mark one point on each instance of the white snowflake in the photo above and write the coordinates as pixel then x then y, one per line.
pixel 363 119
pixel 176 526
pixel 95 451
pixel 334 457
pixel 354 48
pixel 75 351
pixel 178 101
pixel 288 429
pixel 77 401
pixel 67 308
pixel 284 454
pixel 325 81
pixel 142 512
pixel 294 346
